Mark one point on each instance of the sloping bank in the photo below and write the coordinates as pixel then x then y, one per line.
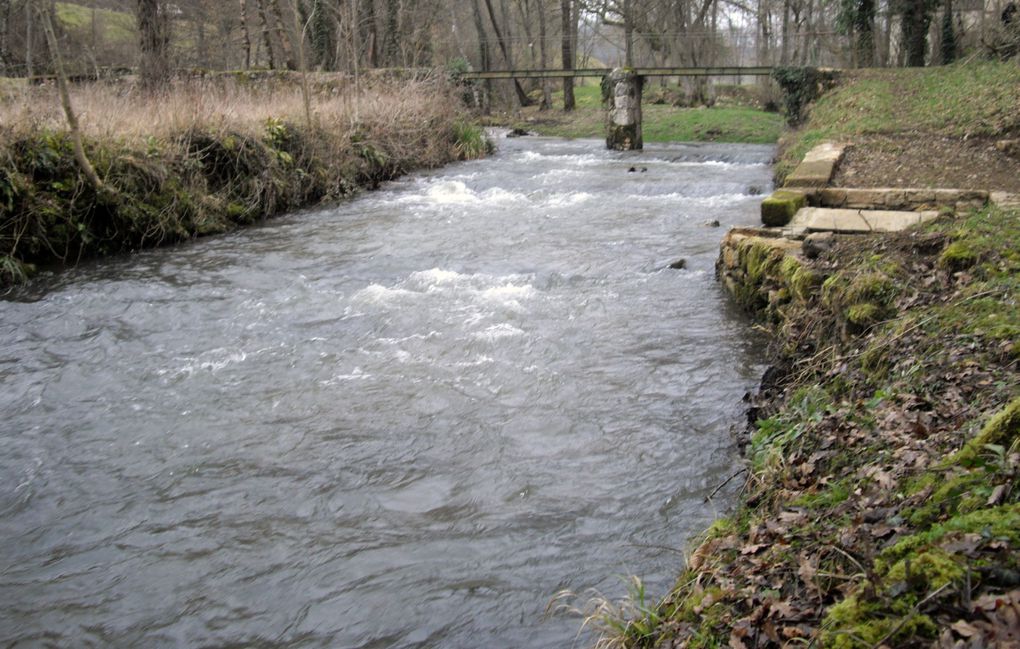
pixel 882 501
pixel 209 156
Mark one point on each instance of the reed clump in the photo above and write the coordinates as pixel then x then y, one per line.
pixel 204 157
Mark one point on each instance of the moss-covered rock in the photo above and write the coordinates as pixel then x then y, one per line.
pixel 779 209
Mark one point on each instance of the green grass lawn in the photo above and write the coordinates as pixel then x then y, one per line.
pixel 963 100
pixel 662 123
pixel 117 27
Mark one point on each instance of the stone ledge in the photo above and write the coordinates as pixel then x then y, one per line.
pixel 847 221
pixel 1004 199
pixel 900 198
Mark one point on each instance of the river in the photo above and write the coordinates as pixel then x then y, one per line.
pixel 405 421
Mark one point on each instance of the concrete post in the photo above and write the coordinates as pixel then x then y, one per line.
pixel 623 96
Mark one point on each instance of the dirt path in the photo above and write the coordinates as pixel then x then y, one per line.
pixel 928 161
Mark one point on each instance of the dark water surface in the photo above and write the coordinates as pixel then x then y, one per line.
pixel 405 421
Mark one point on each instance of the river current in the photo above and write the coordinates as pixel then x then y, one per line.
pixel 405 421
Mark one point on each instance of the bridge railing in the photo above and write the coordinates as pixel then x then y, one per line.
pixel 709 71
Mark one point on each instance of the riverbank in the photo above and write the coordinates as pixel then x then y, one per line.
pixel 728 121
pixel 206 157
pixel 881 506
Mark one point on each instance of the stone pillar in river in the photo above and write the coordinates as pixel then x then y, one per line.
pixel 622 91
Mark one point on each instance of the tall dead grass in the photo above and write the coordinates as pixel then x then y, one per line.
pixel 120 111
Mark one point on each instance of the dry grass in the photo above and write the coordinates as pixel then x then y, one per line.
pixel 119 111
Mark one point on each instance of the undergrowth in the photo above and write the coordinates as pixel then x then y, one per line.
pixel 882 505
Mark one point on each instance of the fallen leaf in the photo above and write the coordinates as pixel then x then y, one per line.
pixel 962 628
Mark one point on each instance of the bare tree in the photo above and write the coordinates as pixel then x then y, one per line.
pixel 281 35
pixel 154 30
pixel 246 36
pixel 567 50
pixel 267 38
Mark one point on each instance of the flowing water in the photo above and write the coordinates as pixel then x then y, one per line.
pixel 406 421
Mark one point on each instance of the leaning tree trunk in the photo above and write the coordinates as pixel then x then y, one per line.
pixel 522 97
pixel 154 29
pixel 46 14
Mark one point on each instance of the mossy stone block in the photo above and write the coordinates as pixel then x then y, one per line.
pixel 779 209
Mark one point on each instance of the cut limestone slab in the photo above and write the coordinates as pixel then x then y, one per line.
pixel 820 219
pixel 818 166
pixel 781 206
pixel 1004 199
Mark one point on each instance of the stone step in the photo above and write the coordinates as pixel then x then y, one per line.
pixel 898 198
pixel 818 166
pixel 844 221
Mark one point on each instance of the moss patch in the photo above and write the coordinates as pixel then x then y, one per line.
pixel 779 209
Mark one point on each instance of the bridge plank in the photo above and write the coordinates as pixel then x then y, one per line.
pixel 731 71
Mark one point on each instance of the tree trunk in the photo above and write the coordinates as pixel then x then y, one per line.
pixel 5 20
pixel 246 36
pixel 392 32
pixel 916 20
pixel 543 56
pixel 784 47
pixel 281 34
pixel 154 29
pixel 29 19
pixel 483 54
pixel 202 53
pixel 367 22
pixel 628 35
pixel 267 38
pixel 864 29
pixel 306 94
pixel 65 99
pixel 522 97
pixel 567 51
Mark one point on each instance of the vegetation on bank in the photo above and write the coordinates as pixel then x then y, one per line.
pixel 963 101
pixel 881 506
pixel 203 158
pixel 662 122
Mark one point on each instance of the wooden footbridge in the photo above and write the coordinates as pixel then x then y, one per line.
pixel 622 88
pixel 720 71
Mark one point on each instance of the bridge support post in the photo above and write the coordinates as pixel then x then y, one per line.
pixel 622 91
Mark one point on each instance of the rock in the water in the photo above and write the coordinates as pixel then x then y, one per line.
pixel 713 223
pixel 754 190
pixel 632 170
pixel 817 243
pixel 518 132
pixel 679 264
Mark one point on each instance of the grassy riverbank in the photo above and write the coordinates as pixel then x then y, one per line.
pixel 203 158
pixel 900 118
pixel 882 499
pixel 662 122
